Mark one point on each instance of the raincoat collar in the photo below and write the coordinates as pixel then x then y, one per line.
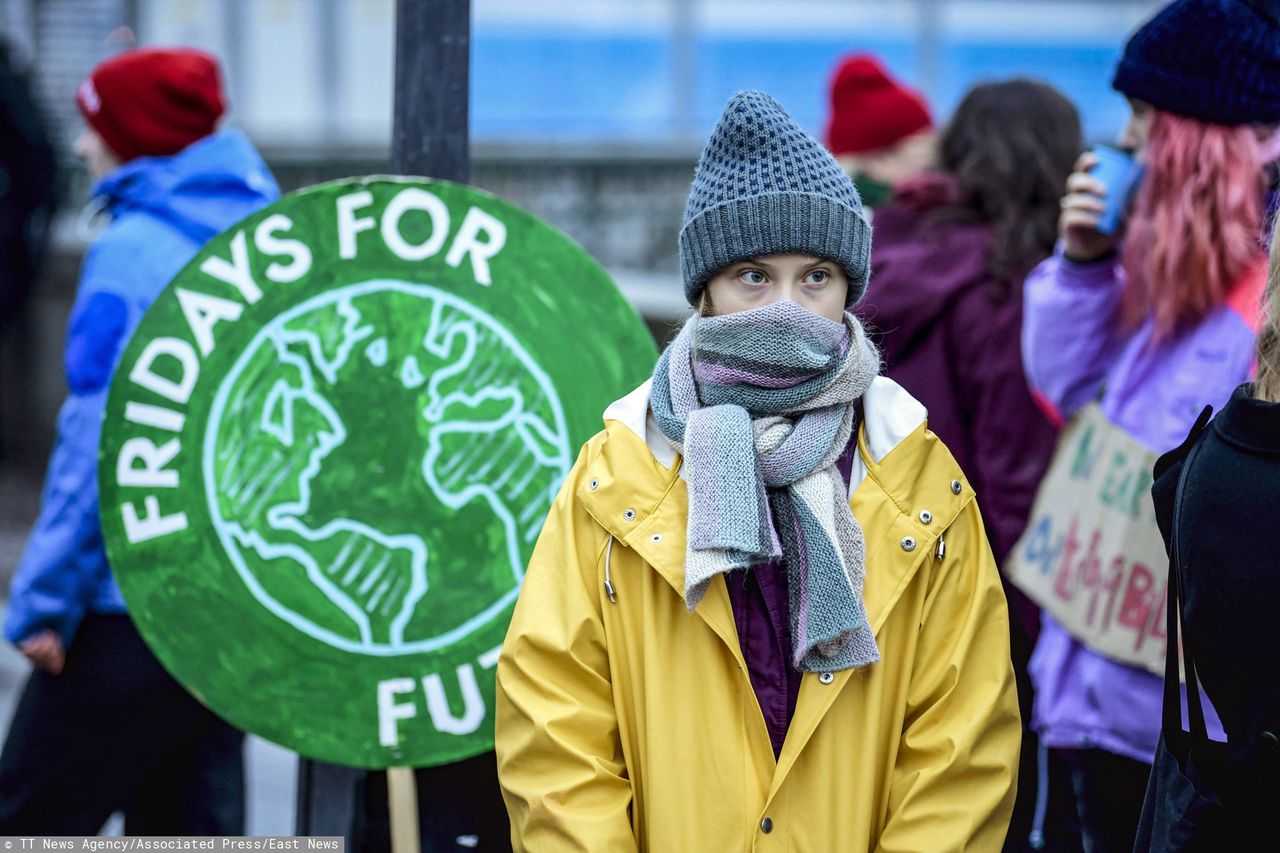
pixel 634 491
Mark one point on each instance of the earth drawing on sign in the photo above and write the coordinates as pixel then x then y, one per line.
pixel 341 420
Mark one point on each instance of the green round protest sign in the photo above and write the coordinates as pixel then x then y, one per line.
pixel 329 449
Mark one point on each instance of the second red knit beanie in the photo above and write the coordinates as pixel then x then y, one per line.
pixel 869 109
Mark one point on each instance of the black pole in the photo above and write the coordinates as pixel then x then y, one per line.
pixel 459 803
pixel 430 135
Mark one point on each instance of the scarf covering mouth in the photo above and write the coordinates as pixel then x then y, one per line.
pixel 761 405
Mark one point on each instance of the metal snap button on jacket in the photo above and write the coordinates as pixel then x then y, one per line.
pixel 629 515
pixel 766 825
pixel 826 678
pixel 926 516
pixel 908 543
pixel 955 487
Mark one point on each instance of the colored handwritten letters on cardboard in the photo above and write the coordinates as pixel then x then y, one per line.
pixel 1092 555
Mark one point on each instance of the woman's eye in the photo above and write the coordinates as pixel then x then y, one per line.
pixel 819 277
pixel 753 277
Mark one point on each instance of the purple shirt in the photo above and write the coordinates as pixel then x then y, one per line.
pixel 1074 353
pixel 762 613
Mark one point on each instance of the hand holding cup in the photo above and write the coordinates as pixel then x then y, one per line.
pixel 1082 210
pixel 1097 201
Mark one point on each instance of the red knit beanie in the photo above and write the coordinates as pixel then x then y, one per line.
pixel 869 109
pixel 153 102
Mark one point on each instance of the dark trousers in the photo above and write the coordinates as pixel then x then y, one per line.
pixel 114 732
pixel 460 809
pixel 1044 812
pixel 1044 815
pixel 1109 790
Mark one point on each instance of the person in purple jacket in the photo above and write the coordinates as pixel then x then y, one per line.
pixel 1152 327
pixel 946 298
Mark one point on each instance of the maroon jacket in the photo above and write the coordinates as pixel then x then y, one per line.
pixel 950 332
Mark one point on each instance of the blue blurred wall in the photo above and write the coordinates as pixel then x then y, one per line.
pixel 534 84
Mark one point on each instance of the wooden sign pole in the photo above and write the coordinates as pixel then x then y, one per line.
pixel 402 796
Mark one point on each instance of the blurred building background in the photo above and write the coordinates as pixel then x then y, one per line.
pixel 590 113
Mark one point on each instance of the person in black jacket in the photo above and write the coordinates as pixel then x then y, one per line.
pixel 1230 608
pixel 27 177
pixel 27 174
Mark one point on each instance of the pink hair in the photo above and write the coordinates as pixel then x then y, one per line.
pixel 1196 225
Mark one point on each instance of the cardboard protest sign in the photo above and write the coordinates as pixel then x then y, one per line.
pixel 1092 555
pixel 329 450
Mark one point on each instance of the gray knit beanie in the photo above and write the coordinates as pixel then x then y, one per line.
pixel 765 187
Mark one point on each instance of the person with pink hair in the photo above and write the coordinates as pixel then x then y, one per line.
pixel 1152 327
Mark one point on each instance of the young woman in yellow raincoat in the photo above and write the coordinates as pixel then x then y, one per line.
pixel 763 613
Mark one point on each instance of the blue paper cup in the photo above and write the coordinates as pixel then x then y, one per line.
pixel 1120 174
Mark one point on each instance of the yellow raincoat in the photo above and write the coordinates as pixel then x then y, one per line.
pixel 625 722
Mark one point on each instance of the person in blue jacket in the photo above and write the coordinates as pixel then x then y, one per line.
pixel 101 727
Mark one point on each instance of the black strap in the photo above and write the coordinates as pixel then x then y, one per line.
pixel 1172 694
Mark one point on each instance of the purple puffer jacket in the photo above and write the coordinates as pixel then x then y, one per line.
pixel 1075 353
pixel 949 331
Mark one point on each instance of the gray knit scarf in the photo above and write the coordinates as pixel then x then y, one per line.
pixel 761 405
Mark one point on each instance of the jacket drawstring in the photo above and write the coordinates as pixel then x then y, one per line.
pixel 93 218
pixel 608 581
pixel 1036 839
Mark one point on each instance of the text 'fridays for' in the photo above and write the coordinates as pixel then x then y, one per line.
pixel 169 367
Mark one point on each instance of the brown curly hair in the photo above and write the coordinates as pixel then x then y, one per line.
pixel 1010 146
